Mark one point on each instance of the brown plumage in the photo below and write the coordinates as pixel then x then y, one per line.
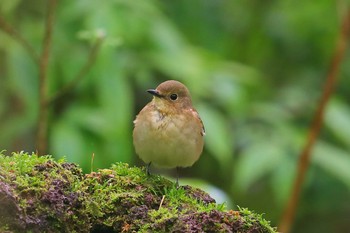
pixel 168 130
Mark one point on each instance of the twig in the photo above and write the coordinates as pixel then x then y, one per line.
pixel 7 28
pixel 81 74
pixel 92 162
pixel 43 63
pixel 304 159
pixel 161 202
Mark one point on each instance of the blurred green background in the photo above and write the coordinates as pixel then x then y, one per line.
pixel 255 70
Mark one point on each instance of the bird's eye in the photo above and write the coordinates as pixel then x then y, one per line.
pixel 173 96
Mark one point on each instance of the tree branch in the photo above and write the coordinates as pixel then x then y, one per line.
pixel 43 64
pixel 7 28
pixel 304 159
pixel 81 74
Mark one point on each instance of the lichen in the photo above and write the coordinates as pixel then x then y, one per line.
pixel 39 194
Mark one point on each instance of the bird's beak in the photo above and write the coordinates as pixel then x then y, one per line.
pixel 154 92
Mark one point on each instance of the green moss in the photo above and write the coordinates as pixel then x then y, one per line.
pixel 41 194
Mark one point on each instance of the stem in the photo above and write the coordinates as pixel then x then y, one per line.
pixel 304 159
pixel 43 64
pixel 83 71
pixel 7 28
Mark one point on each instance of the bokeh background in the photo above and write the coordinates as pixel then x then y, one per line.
pixel 256 70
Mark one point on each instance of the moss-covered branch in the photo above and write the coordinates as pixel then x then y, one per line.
pixel 39 194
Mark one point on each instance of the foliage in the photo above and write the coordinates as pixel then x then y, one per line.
pixel 255 70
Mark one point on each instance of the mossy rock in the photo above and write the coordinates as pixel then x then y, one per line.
pixel 39 194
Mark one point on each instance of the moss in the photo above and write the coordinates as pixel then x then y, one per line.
pixel 40 194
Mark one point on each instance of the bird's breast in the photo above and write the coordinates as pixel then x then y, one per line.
pixel 168 140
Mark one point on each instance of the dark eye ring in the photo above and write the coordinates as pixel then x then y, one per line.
pixel 173 96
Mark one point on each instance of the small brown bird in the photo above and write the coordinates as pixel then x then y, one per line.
pixel 168 130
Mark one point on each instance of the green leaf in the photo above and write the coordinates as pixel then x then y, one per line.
pixel 333 160
pixel 66 140
pixel 8 5
pixel 337 119
pixel 255 162
pixel 282 179
pixel 218 138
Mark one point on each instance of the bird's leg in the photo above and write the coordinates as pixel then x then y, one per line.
pixel 147 168
pixel 177 177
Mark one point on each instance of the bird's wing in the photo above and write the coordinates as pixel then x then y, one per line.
pixel 196 115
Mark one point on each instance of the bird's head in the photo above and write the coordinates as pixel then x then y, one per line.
pixel 171 96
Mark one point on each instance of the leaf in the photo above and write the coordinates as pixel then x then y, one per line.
pixel 8 5
pixel 255 162
pixel 66 141
pixel 282 179
pixel 218 138
pixel 333 160
pixel 337 118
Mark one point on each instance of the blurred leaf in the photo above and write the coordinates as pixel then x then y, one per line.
pixel 227 92
pixel 282 179
pixel 218 138
pixel 115 98
pixel 255 162
pixel 91 35
pixel 337 118
pixel 8 5
pixel 87 118
pixel 173 56
pixel 19 98
pixel 333 160
pixel 66 140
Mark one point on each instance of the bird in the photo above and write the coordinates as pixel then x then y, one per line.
pixel 168 131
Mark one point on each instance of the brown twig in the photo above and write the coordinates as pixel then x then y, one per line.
pixel 43 65
pixel 11 31
pixel 82 72
pixel 304 159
